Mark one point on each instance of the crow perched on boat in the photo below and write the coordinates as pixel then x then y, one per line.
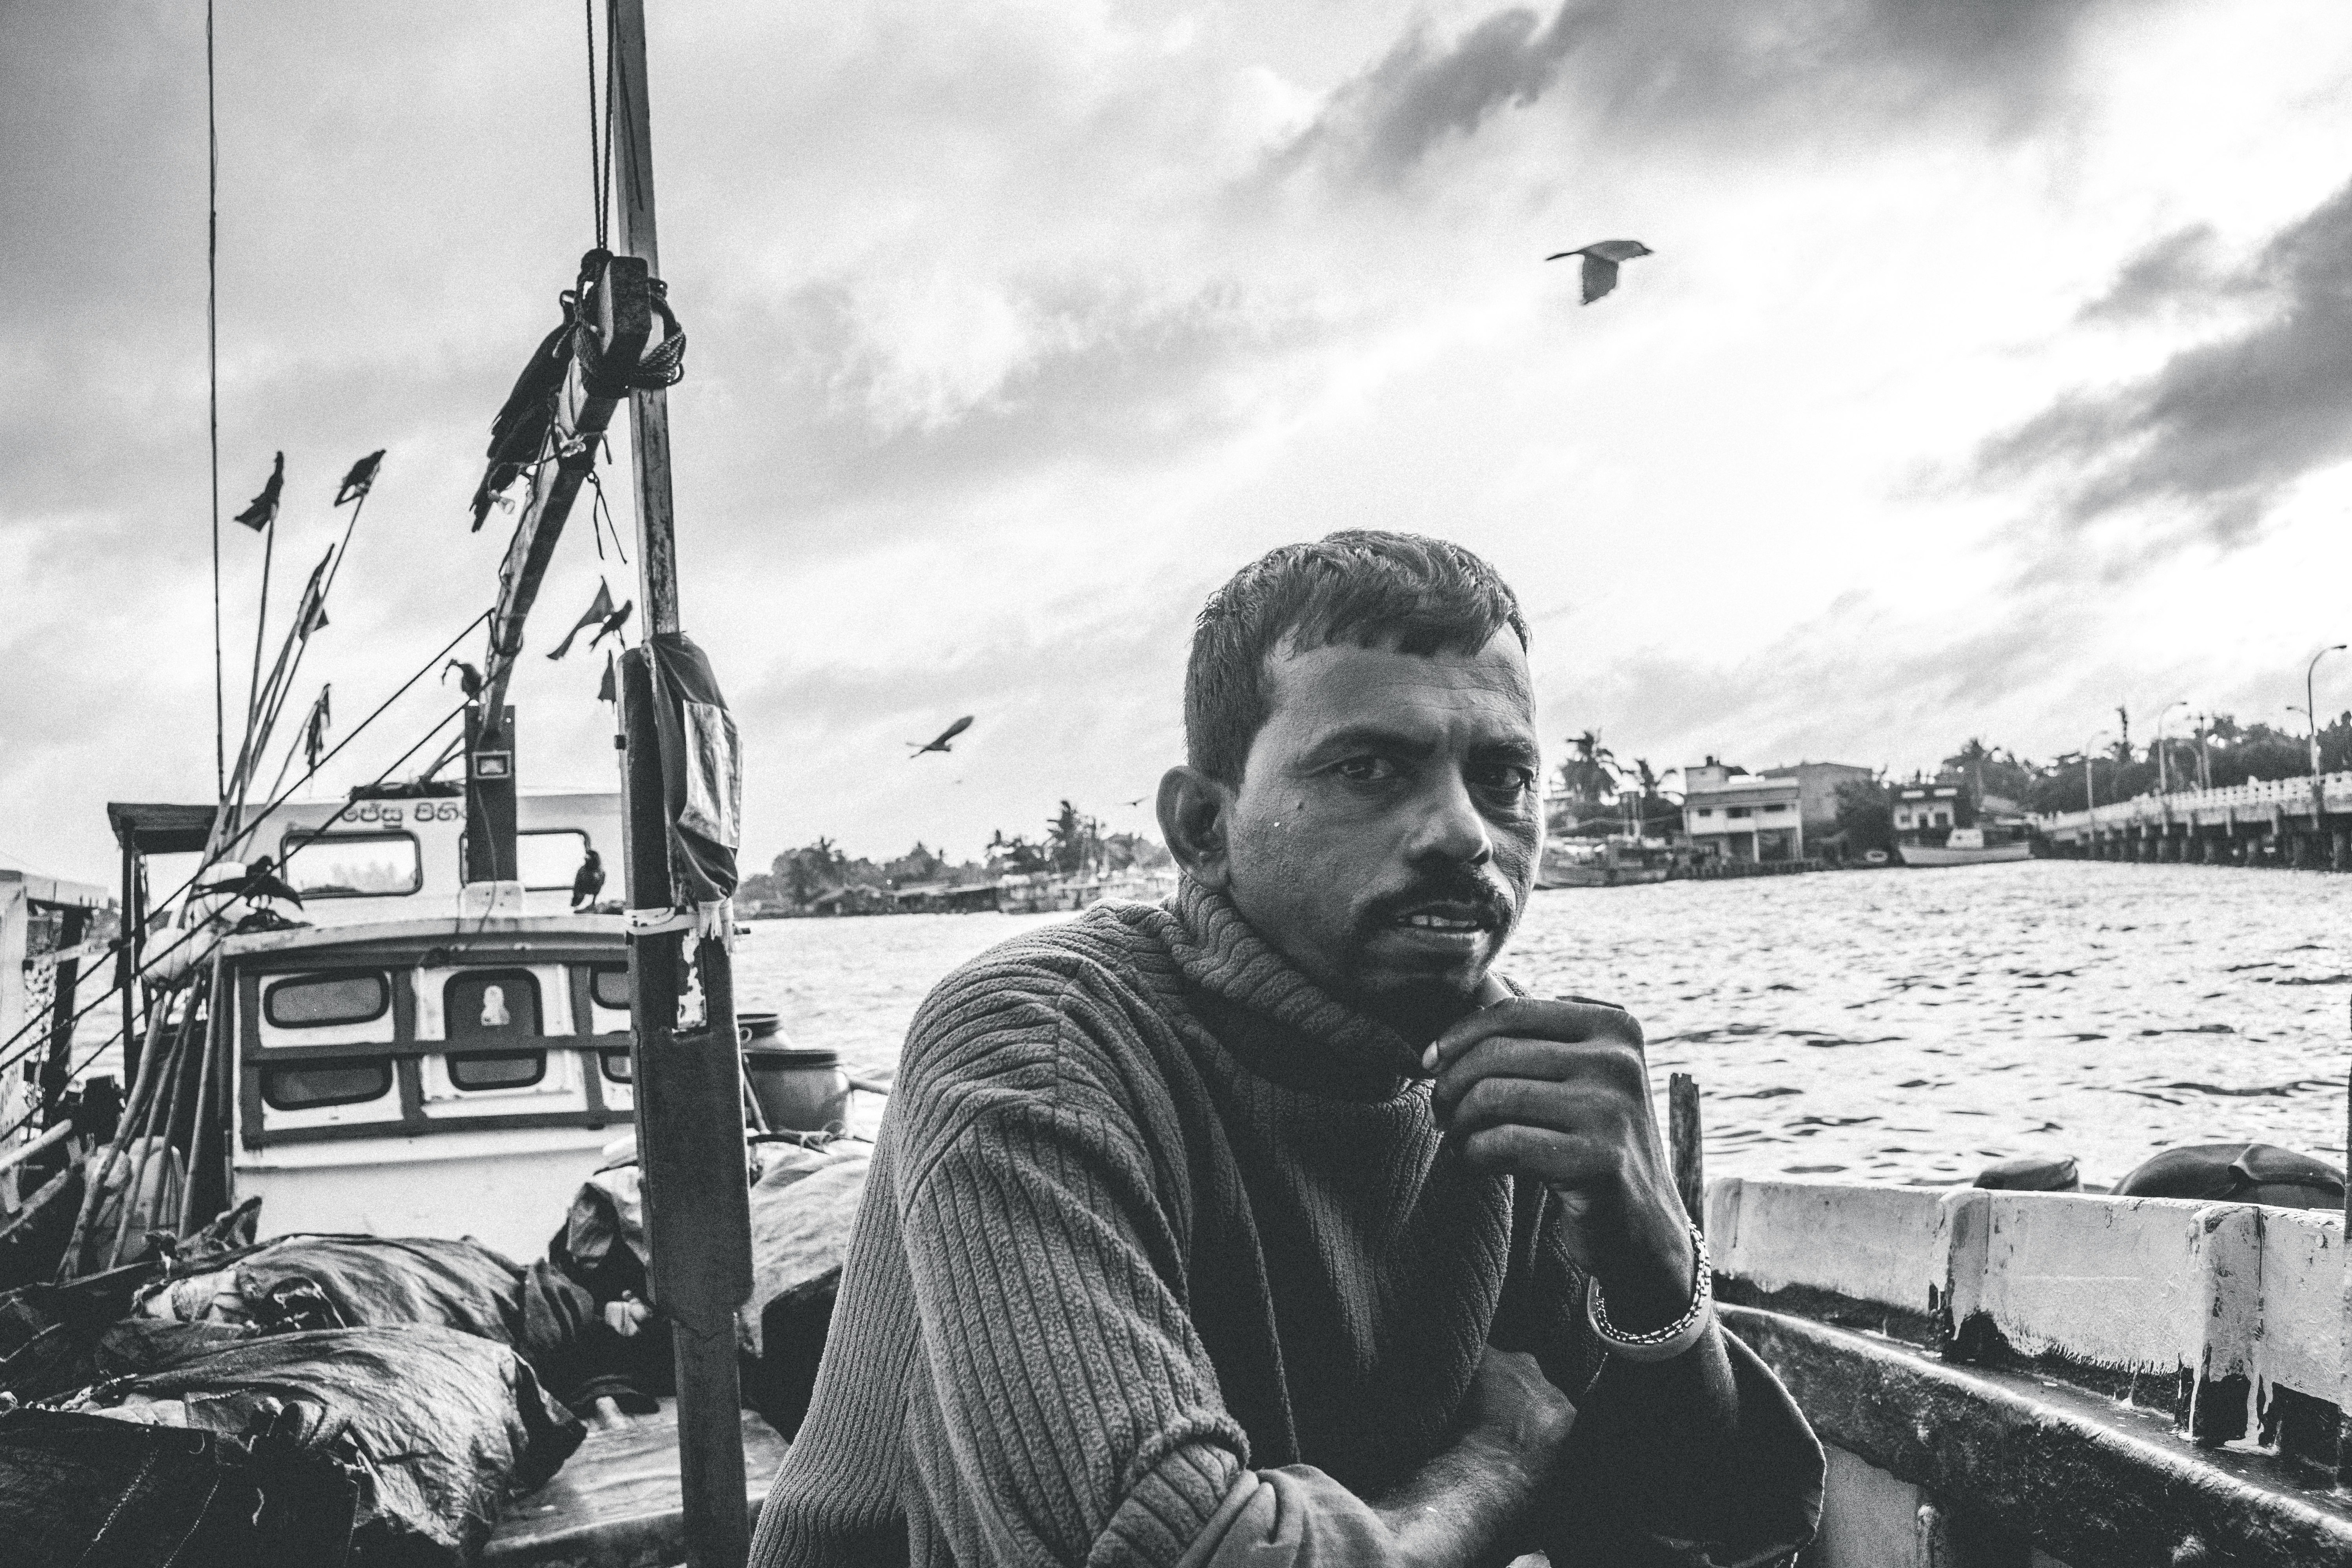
pixel 600 610
pixel 588 883
pixel 1601 262
pixel 469 680
pixel 261 881
pixel 263 512
pixel 613 625
pixel 521 428
pixel 357 483
pixel 941 742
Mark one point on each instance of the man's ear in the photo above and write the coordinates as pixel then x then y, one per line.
pixel 1193 811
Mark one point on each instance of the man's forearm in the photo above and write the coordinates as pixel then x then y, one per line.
pixel 1468 1506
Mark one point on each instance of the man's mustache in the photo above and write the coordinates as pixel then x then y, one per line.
pixel 1488 899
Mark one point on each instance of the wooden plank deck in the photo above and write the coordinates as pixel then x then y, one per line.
pixel 615 1503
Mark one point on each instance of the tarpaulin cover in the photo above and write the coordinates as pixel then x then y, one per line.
pixel 435 1427
pixel 48 1333
pixel 702 770
pixel 103 1493
pixel 305 1282
pixel 804 1202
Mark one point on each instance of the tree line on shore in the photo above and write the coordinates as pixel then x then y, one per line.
pixel 1073 844
pixel 1594 793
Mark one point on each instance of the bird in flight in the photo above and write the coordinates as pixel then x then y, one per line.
pixel 613 625
pixel 945 736
pixel 1601 262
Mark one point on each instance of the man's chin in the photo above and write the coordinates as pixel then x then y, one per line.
pixel 1419 982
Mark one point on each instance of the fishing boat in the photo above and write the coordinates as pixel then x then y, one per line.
pixel 409 1012
pixel 1618 860
pixel 1966 847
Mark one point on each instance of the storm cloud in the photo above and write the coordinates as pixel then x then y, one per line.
pixel 2212 440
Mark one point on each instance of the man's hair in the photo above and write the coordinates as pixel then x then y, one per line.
pixel 1360 586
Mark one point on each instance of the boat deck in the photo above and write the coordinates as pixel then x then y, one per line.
pixel 615 1504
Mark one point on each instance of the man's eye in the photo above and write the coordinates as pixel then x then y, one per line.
pixel 1366 770
pixel 1508 778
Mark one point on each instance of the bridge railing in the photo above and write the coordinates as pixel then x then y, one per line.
pixel 2255 798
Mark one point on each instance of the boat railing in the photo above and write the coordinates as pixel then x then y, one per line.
pixel 2112 1380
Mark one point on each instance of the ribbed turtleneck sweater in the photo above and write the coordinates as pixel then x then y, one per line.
pixel 1150 1211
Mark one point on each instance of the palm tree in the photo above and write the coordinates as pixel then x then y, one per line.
pixel 1590 774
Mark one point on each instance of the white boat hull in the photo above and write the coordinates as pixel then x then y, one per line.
pixel 1986 855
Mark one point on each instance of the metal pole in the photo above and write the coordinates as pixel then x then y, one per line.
pixel 689 1110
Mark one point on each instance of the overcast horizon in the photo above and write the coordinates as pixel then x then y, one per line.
pixel 1994 367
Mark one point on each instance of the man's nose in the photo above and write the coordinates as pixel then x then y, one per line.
pixel 1452 829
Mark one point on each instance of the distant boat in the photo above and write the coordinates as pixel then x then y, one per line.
pixel 1612 862
pixel 1966 847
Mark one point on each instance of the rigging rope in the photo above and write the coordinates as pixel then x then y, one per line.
pixel 230 843
pixel 212 392
pixel 599 157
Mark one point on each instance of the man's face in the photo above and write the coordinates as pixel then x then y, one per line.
pixel 1385 834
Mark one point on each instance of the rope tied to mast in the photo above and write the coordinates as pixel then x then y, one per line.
pixel 661 365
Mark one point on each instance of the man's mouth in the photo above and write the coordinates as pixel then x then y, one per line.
pixel 1447 918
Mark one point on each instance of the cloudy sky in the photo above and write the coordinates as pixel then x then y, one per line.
pixel 1994 367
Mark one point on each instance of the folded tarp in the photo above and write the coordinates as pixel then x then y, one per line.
pixel 434 1427
pixel 304 1282
pixel 83 1490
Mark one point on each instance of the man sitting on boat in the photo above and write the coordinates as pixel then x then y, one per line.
pixel 1266 1226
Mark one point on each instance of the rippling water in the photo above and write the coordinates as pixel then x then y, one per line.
pixel 1892 1026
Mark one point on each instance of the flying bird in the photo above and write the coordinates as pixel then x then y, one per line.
pixel 945 736
pixel 362 475
pixel 612 623
pixel 1601 258
pixel 469 680
pixel 263 512
pixel 599 610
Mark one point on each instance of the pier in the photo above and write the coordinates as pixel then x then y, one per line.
pixel 2302 821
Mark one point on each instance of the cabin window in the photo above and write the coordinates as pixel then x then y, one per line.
pixel 617 1066
pixel 610 986
pixel 490 1007
pixel 353 864
pixel 1707 811
pixel 1738 811
pixel 308 1086
pixel 316 1001
pixel 546 860
pixel 503 1070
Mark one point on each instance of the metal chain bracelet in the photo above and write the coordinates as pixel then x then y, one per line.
pixel 1665 1343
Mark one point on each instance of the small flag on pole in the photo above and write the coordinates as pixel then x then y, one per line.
pixel 312 615
pixel 608 689
pixel 314 729
pixel 264 509
pixel 598 612
pixel 362 475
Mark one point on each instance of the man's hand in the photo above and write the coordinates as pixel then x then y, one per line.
pixel 1558 1092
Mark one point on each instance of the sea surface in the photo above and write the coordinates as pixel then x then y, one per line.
pixel 1901 1026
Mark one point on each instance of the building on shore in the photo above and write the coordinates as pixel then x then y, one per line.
pixel 1927 810
pixel 1817 801
pixel 1731 814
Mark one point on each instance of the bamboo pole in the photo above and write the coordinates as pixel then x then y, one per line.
pixel 151 1068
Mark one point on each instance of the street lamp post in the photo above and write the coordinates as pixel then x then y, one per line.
pixel 2311 708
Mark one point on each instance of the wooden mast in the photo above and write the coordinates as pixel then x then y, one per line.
pixel 689 1096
